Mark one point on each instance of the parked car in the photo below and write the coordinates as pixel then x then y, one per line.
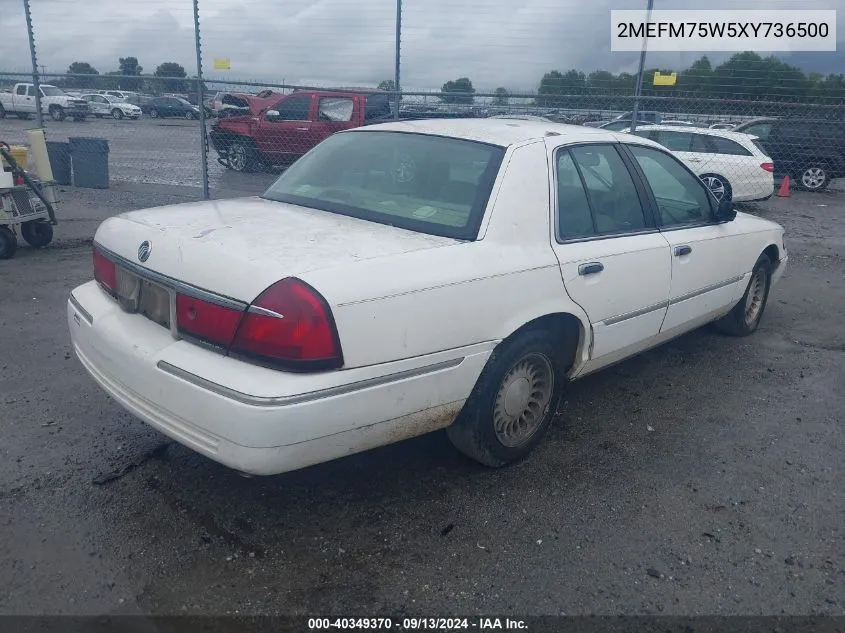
pixel 54 101
pixel 102 105
pixel 278 134
pixel 734 166
pixel 810 151
pixel 359 301
pixel 160 107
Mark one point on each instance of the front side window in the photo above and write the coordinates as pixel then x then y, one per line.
pixel 21 91
pixel 295 108
pixel 610 189
pixel 335 109
pixel 681 197
pixel 420 182
pixel 759 129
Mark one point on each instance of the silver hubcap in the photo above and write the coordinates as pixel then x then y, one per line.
pixel 237 157
pixel 754 299
pixel 117 114
pixel 813 178
pixel 715 185
pixel 523 400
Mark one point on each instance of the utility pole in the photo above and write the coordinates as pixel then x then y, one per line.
pixel 639 88
pixel 398 56
pixel 200 104
pixel 36 83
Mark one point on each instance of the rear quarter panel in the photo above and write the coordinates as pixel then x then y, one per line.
pixel 453 296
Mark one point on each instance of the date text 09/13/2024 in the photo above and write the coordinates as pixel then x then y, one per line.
pixel 417 624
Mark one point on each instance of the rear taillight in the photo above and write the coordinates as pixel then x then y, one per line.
pixel 770 167
pixel 209 322
pixel 290 325
pixel 105 272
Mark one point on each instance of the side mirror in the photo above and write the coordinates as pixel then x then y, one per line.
pixel 725 211
pixel 272 115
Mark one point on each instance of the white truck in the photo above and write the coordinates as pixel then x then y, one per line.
pixel 54 101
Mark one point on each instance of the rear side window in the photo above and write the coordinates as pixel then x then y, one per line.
pixel 377 107
pixel 727 146
pixel 335 109
pixel 613 203
pixel 674 141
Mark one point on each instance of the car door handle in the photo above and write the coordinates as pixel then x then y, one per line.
pixel 694 160
pixel 590 269
pixel 680 251
pixel 302 129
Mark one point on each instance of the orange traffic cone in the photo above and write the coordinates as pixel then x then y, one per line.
pixel 783 192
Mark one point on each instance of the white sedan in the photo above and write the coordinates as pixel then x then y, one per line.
pixel 411 276
pixel 733 165
pixel 102 105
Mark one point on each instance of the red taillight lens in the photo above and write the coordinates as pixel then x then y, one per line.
pixel 19 181
pixel 105 272
pixel 770 167
pixel 207 321
pixel 291 324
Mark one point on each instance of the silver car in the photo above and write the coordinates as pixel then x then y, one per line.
pixel 102 105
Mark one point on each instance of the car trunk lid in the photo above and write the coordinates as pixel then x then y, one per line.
pixel 237 248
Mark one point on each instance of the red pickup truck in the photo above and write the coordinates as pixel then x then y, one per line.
pixel 281 132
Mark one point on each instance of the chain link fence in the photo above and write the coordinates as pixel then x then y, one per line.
pixel 741 123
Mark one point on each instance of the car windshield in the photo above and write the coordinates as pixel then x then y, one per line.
pixel 51 91
pixel 424 183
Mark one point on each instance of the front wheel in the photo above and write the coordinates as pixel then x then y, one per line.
pixel 117 113
pixel 190 116
pixel 814 177
pixel 37 233
pixel 514 401
pixel 241 156
pixel 153 113
pixel 745 316
pixel 57 113
pixel 8 243
pixel 718 186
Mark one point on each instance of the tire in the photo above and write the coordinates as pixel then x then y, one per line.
pixel 190 116
pixel 8 243
pixel 153 113
pixel 23 116
pixel 57 112
pixel 2 111
pixel 488 427
pixel 117 113
pixel 241 156
pixel 814 177
pixel 740 321
pixel 718 186
pixel 37 233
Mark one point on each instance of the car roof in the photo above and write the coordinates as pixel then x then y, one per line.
pixel 502 132
pixel 729 134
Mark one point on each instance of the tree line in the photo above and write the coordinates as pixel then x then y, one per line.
pixel 167 77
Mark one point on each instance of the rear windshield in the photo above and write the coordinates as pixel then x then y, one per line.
pixel 423 183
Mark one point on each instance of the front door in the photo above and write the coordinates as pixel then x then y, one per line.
pixel 288 133
pixel 705 281
pixel 614 262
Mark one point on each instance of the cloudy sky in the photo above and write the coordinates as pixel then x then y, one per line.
pixel 507 43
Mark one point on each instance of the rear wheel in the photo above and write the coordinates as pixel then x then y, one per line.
pixel 746 315
pixel 514 401
pixel 37 233
pixel 814 177
pixel 153 113
pixel 718 186
pixel 8 243
pixel 117 113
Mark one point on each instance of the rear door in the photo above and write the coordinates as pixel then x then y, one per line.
pixel 615 264
pixel 25 98
pixel 333 115
pixel 289 132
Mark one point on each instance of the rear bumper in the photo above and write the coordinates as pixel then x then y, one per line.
pixel 256 420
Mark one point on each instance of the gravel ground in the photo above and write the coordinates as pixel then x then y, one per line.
pixel 703 477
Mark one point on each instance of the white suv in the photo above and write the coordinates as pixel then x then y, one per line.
pixel 733 165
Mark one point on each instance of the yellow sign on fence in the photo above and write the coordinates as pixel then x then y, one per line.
pixel 665 80
pixel 222 63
